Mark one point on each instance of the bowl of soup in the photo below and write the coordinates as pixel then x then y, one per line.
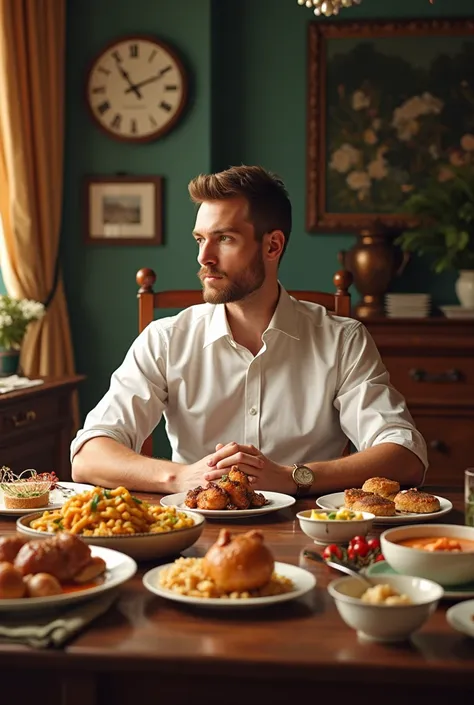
pixel 440 552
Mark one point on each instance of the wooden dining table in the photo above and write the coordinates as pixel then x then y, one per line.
pixel 148 650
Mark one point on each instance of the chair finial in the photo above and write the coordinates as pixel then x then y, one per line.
pixel 145 279
pixel 342 281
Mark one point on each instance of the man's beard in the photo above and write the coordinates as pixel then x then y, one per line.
pixel 237 288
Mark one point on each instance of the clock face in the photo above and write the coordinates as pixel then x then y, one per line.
pixel 136 89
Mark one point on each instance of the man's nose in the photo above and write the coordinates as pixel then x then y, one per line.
pixel 207 254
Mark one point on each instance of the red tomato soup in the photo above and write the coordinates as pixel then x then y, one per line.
pixel 440 543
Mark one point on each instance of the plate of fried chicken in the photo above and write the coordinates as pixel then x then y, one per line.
pixel 231 497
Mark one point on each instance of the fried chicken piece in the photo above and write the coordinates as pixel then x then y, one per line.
pixel 257 500
pixel 213 497
pixel 237 492
pixel 192 497
pixel 9 547
pixel 240 476
pixel 63 556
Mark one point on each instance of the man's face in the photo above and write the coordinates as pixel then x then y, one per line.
pixel 231 260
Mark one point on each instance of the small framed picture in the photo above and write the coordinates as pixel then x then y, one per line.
pixel 123 210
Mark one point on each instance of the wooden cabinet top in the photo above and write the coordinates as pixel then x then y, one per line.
pixel 50 385
pixel 436 335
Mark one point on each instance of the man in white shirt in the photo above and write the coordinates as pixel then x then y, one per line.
pixel 251 377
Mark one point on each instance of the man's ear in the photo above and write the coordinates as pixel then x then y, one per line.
pixel 274 244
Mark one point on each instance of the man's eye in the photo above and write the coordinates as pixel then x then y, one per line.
pixel 224 238
pixel 198 240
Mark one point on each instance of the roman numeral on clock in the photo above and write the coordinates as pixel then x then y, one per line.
pixel 116 122
pixel 103 107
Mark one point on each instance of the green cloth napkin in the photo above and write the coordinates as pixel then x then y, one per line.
pixel 52 629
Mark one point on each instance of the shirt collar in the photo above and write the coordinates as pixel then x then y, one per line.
pixel 284 319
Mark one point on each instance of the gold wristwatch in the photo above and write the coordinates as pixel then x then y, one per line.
pixel 303 477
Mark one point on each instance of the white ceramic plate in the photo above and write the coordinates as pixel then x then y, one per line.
pixel 120 568
pixel 336 500
pixel 457 312
pixel 451 592
pixel 56 498
pixel 461 617
pixel 276 501
pixel 303 582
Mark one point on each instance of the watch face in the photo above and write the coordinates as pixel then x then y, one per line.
pixel 136 89
pixel 303 476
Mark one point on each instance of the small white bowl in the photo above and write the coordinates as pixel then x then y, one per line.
pixel 334 530
pixel 386 623
pixel 443 567
pixel 137 546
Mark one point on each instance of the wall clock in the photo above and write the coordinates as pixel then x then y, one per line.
pixel 136 88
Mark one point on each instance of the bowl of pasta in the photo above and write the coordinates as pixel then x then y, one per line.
pixel 114 518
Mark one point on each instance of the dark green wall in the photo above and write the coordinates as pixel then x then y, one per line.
pixel 248 61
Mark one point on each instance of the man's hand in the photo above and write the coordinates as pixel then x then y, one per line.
pixel 264 473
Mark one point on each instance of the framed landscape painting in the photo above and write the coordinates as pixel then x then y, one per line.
pixel 123 210
pixel 390 107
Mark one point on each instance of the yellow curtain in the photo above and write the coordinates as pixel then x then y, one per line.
pixel 32 57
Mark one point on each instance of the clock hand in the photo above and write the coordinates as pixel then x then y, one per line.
pixel 132 87
pixel 145 82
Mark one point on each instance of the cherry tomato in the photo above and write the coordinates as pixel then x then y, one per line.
pixel 332 551
pixel 373 544
pixel 379 558
pixel 351 554
pixel 356 539
pixel 360 549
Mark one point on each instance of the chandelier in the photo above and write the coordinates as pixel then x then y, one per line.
pixel 330 7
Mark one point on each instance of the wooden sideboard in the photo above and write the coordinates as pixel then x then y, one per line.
pixel 431 362
pixel 36 424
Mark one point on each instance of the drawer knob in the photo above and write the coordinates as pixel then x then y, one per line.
pixel 438 445
pixel 23 419
pixel 424 376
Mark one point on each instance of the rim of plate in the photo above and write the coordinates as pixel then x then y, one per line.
pixel 446 507
pixel 198 520
pixel 127 563
pixel 280 568
pixel 456 616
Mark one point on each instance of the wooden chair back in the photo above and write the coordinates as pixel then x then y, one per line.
pixel 338 302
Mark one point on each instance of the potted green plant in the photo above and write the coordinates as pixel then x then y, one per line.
pixel 15 317
pixel 444 226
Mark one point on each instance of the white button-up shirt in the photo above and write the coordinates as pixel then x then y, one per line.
pixel 317 380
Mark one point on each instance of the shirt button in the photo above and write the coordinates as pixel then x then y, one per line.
pixel 253 411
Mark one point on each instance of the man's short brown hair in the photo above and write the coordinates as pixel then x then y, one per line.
pixel 269 204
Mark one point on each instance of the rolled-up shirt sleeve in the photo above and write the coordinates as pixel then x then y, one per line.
pixel 134 403
pixel 371 410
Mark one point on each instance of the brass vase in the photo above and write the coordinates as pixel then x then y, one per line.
pixel 373 261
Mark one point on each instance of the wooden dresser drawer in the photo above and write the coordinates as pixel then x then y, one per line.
pixel 450 447
pixel 32 414
pixel 432 377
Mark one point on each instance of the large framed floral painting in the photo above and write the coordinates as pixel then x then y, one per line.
pixel 390 106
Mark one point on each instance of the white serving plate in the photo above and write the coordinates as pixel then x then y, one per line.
pixel 460 617
pixel 457 312
pixel 276 501
pixel 336 501
pixel 56 499
pixel 139 546
pixel 303 582
pixel 120 568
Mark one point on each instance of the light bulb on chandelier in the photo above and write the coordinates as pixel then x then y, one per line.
pixel 331 7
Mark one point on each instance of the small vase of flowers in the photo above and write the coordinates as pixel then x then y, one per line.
pixel 15 317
